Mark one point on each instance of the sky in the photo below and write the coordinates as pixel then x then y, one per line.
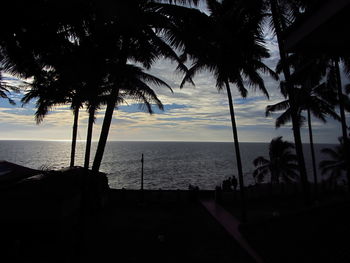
pixel 194 113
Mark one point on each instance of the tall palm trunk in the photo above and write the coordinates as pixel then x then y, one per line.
pixel 238 154
pixel 105 129
pixel 294 110
pixel 74 136
pixel 313 158
pixel 89 137
pixel 348 179
pixel 340 97
pixel 342 112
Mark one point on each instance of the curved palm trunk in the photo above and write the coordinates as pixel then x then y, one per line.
pixel 89 137
pixel 238 154
pixel 294 110
pixel 313 158
pixel 105 130
pixel 74 136
pixel 340 96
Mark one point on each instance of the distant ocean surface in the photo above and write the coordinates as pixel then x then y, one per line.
pixel 167 165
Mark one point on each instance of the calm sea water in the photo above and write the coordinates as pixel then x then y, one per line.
pixel 167 165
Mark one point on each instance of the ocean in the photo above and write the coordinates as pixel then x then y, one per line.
pixel 167 165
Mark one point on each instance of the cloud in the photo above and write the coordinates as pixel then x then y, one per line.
pixel 217 127
pixel 138 108
pixel 194 113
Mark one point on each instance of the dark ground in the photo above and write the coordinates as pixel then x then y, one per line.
pixel 174 227
pixel 160 232
pixel 321 234
pixel 284 229
pixel 127 230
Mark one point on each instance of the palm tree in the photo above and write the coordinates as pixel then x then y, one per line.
pixel 283 13
pixel 228 43
pixel 93 104
pixel 134 88
pixel 133 85
pixel 139 40
pixel 282 164
pixel 30 48
pixel 75 106
pixel 51 89
pixel 339 162
pixel 334 81
pixel 92 107
pixel 312 96
pixel 32 45
pixel 47 94
pixel 92 111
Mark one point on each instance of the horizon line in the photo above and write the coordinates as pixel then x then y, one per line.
pixel 64 140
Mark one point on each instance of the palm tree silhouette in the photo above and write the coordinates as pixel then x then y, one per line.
pixel 339 162
pixel 5 89
pixel 229 44
pixel 135 87
pixel 281 165
pixel 35 48
pixel 283 14
pixel 136 40
pixel 115 34
pixel 50 90
pixel 334 82
pixel 343 100
pixel 312 96
pixel 93 105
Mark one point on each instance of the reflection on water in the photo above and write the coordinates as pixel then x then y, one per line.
pixel 168 165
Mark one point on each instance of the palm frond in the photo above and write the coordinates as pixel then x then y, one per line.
pixel 283 105
pixel 284 118
pixel 190 74
pixel 240 86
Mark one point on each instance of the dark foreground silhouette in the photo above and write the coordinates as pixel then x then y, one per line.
pixel 72 216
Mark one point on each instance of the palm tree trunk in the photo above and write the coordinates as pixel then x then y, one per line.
pixel 314 169
pixel 89 136
pixel 238 154
pixel 74 136
pixel 340 97
pixel 293 107
pixel 342 111
pixel 105 130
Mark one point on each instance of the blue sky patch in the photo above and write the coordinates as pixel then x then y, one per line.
pixel 27 112
pixel 217 127
pixel 246 100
